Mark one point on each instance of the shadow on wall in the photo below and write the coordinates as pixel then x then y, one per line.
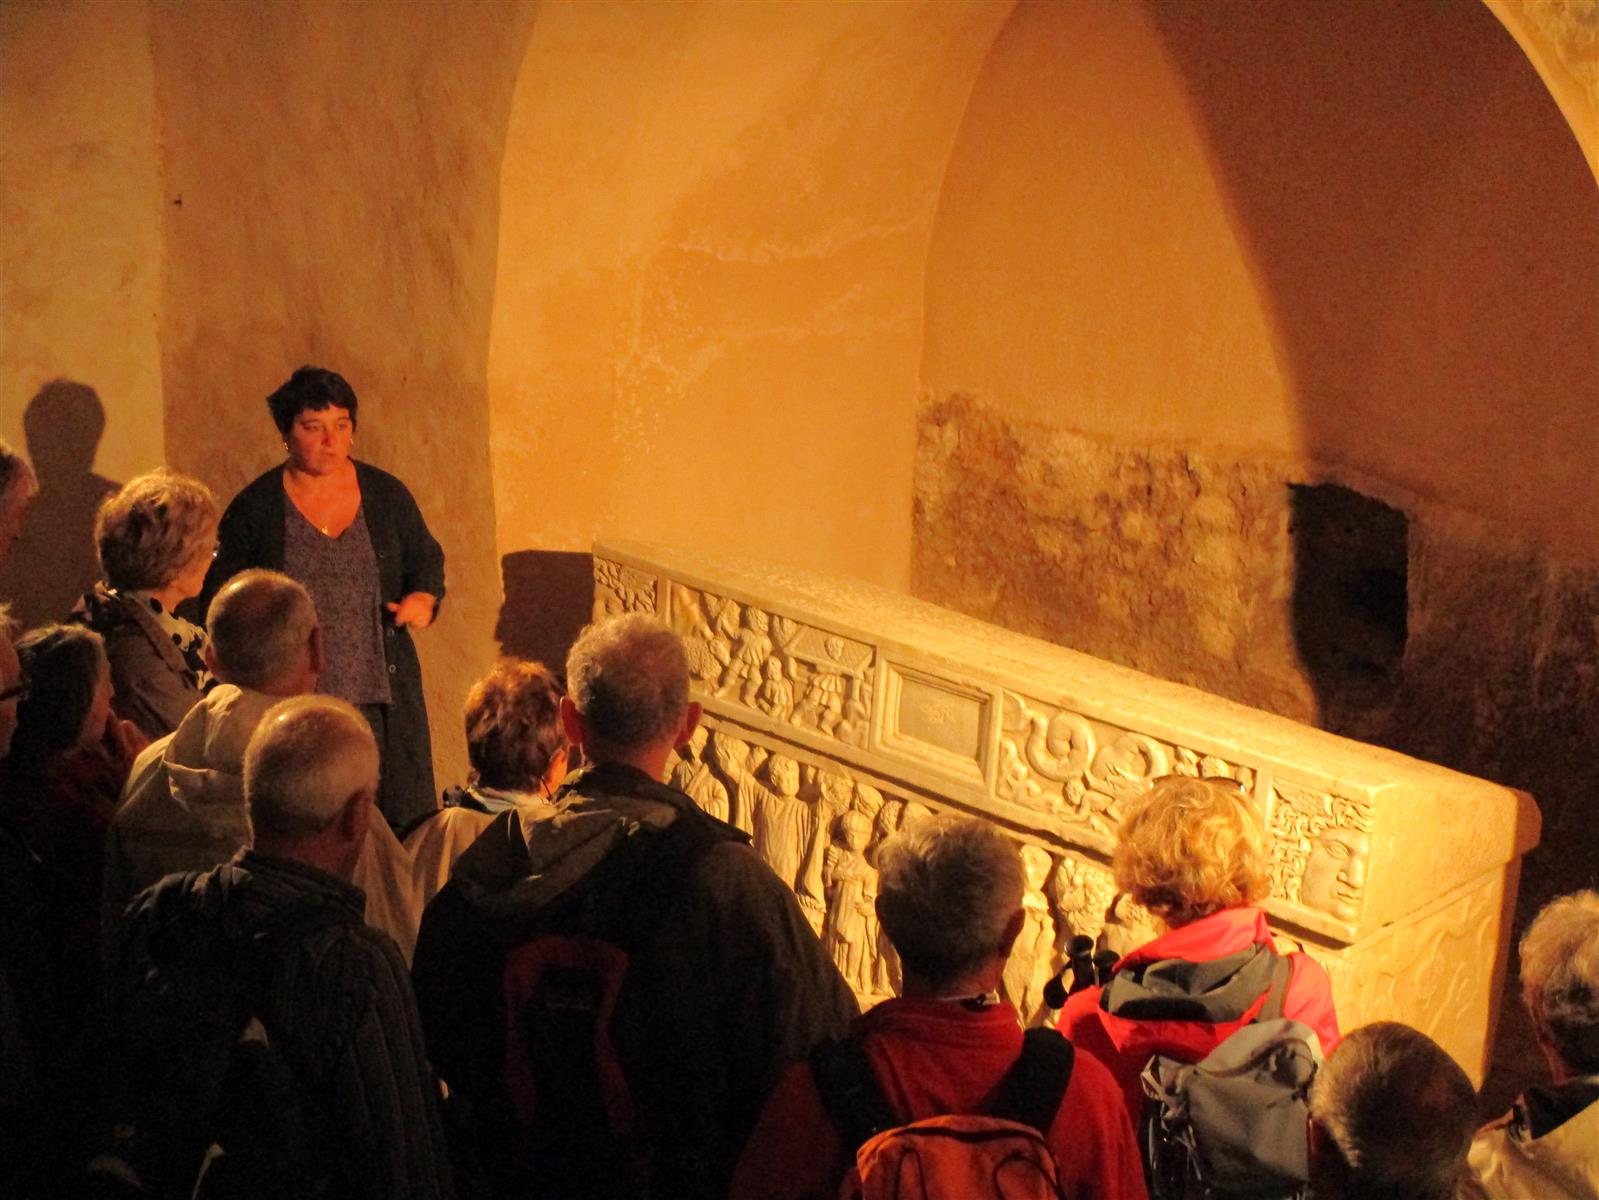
pixel 1420 225
pixel 54 562
pixel 549 598
pixel 1350 596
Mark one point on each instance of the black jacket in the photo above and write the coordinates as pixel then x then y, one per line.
pixel 409 560
pixel 730 990
pixel 337 1000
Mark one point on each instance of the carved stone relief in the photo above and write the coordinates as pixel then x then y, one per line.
pixel 791 672
pixel 1432 973
pixel 619 588
pixel 820 829
pixel 693 774
pixel 1033 958
pixel 1320 843
pixel 1082 773
pixel 838 712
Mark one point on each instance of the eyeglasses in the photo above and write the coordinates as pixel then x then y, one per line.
pixel 18 692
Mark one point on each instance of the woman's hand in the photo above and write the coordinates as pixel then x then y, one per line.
pixel 415 610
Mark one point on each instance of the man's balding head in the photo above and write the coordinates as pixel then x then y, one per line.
pixel 310 776
pixel 264 634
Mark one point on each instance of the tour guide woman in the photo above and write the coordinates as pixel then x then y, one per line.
pixel 353 535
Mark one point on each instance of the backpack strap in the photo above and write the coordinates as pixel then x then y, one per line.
pixel 850 1092
pixel 1032 1090
pixel 1282 972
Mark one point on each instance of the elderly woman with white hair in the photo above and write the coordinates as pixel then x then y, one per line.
pixel 154 538
pixel 950 901
pixel 1548 1144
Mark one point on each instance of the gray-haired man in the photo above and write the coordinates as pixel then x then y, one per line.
pixel 722 986
pixel 329 992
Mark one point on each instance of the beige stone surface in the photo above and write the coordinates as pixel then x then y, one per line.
pixel 1381 865
pixel 1362 236
pixel 708 315
pixel 80 219
pixel 1561 37
pixel 338 165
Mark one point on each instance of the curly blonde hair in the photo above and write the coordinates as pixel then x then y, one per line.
pixel 152 530
pixel 1191 847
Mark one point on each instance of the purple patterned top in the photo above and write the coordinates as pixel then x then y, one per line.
pixel 341 573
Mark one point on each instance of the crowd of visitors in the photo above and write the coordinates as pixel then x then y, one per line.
pixel 246 951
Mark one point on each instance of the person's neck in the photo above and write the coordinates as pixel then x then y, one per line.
pixel 297 684
pixel 293 683
pixel 323 853
pixel 651 761
pixel 967 987
pixel 168 597
pixel 301 480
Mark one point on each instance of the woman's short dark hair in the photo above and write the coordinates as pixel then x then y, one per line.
pixel 513 725
pixel 62 664
pixel 313 388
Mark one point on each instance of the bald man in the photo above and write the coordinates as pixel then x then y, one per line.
pixel 330 993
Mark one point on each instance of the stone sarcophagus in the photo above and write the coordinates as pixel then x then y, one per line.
pixel 836 710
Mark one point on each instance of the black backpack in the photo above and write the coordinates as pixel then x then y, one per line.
pixel 573 1062
pixel 198 1100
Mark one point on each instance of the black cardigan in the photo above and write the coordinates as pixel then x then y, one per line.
pixel 409 560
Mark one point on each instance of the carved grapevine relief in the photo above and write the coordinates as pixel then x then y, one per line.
pixel 621 589
pixel 1320 843
pixel 791 672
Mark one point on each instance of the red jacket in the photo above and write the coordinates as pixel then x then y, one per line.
pixel 1125 1045
pixel 934 1057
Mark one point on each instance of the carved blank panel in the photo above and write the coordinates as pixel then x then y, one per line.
pixel 936 721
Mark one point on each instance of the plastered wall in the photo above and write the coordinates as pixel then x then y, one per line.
pixel 709 311
pixel 1361 235
pixel 1184 260
pixel 80 230
pixel 337 168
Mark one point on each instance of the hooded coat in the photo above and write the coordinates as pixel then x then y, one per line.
pixel 1211 959
pixel 1545 1146
pixel 333 999
pixel 183 810
pixel 730 989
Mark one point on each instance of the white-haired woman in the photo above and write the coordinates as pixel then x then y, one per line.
pixel 1548 1144
pixel 154 538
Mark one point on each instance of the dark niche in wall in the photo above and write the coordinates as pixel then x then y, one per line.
pixel 1350 595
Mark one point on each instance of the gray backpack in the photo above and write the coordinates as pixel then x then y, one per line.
pixel 1234 1124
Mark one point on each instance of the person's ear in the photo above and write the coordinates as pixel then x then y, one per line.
pixel 572 722
pixel 691 721
pixel 208 656
pixel 559 768
pixel 356 815
pixel 1013 930
pixel 313 648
